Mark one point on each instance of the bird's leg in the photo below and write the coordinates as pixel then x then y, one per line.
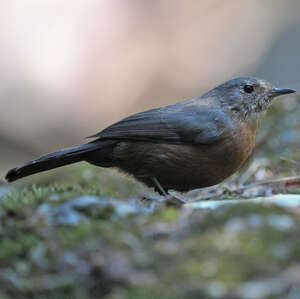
pixel 158 187
pixel 169 199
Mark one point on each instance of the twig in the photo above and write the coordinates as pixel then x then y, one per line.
pixel 267 182
pixel 291 161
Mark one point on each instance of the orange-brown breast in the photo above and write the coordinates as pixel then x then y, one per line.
pixel 184 167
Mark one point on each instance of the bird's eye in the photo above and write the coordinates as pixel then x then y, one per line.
pixel 248 88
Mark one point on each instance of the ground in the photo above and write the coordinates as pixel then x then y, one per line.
pixel 96 233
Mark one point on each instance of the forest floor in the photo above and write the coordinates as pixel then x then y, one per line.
pixel 96 233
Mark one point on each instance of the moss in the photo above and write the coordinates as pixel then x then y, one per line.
pixel 142 292
pixel 159 253
pixel 16 247
pixel 167 215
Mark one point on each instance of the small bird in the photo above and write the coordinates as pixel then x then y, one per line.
pixel 192 144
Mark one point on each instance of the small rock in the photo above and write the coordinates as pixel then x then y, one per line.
pixel 75 211
pixel 67 216
pixel 86 202
pixel 281 222
pixel 283 200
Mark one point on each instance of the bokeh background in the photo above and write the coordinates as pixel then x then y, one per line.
pixel 70 68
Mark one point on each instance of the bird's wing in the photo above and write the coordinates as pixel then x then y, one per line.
pixel 179 123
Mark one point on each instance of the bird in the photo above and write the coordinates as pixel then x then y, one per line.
pixel 192 144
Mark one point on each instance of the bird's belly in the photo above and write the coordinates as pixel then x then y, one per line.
pixel 183 167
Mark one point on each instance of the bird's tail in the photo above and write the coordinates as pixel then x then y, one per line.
pixel 53 160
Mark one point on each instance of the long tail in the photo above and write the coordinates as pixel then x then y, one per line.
pixel 53 160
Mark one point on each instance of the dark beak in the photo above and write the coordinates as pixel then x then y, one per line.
pixel 282 91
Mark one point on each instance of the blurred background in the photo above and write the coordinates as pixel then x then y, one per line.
pixel 70 68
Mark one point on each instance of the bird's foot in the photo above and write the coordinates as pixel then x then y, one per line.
pixel 168 199
pixel 172 200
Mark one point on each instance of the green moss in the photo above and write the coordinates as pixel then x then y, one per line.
pixel 16 247
pixel 166 253
pixel 143 292
pixel 168 215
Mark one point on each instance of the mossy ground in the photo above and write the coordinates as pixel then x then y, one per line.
pixel 240 251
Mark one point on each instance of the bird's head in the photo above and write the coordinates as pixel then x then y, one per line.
pixel 248 96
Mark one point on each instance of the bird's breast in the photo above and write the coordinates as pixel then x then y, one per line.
pixel 233 151
pixel 187 166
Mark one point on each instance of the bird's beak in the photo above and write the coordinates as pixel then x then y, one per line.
pixel 281 91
